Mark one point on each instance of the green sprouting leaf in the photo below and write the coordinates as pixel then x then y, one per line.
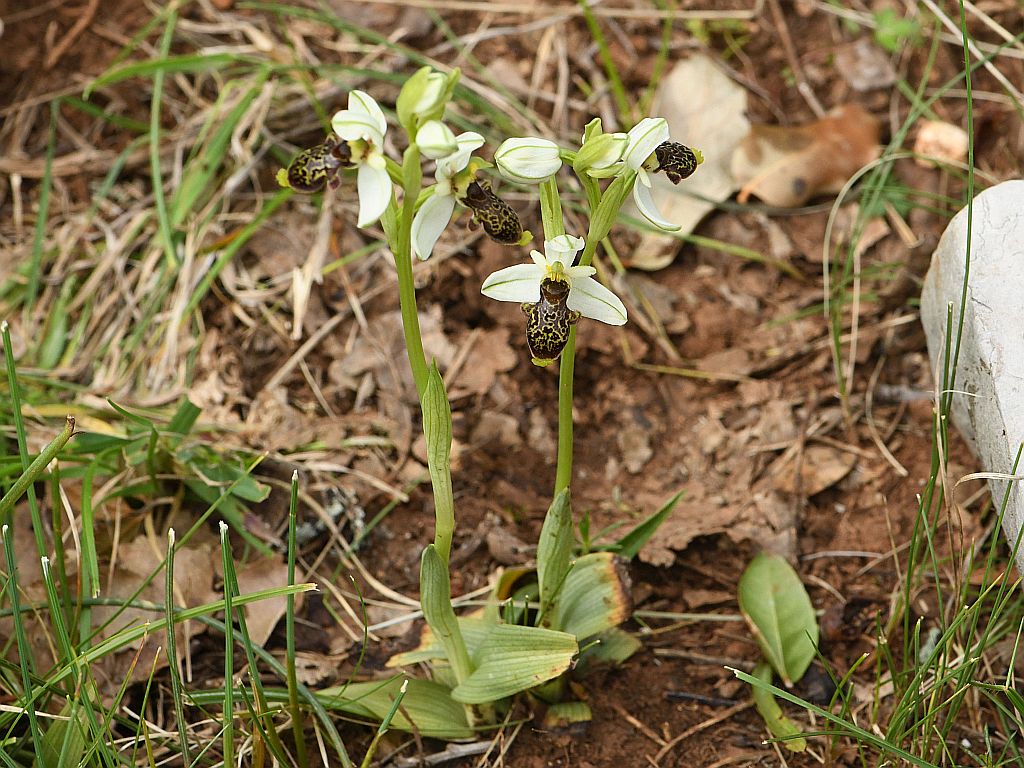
pixel 779 612
pixel 436 602
pixel 427 708
pixel 514 658
pixel 630 544
pixel 779 726
pixel 184 417
pixel 595 597
pixel 64 741
pixel 553 552
pixel 437 431
pixel 474 631
pixel 565 714
pixel 613 646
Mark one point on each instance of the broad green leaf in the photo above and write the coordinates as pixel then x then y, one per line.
pixel 427 707
pixel 553 551
pixel 595 597
pixel 437 431
pixel 436 601
pixel 614 646
pixel 779 612
pixel 184 417
pixel 630 544
pixel 474 631
pixel 566 714
pixel 515 658
pixel 64 741
pixel 779 726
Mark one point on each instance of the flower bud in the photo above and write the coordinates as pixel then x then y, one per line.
pixel 423 97
pixel 436 140
pixel 528 160
pixel 600 155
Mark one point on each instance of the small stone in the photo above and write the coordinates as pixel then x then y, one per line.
pixel 865 66
pixel 989 386
pixel 940 142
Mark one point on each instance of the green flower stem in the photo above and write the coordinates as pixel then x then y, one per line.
pixel 551 209
pixel 412 176
pixel 566 368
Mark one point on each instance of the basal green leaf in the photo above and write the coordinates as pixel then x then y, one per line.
pixel 474 631
pixel 595 597
pixel 515 658
pixel 427 707
pixel 553 551
pixel 779 726
pixel 779 612
pixel 436 601
pixel 630 544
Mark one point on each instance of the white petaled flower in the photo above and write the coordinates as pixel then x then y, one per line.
pixel 522 282
pixel 646 136
pixel 436 211
pixel 363 126
pixel 529 160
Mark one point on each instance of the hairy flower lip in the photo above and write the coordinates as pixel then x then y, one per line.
pixel 522 282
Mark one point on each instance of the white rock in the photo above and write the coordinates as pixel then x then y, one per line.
pixel 988 404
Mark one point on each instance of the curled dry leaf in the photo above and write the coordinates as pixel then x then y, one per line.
pixel 821 467
pixel 787 166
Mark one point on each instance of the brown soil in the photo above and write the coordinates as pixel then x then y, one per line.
pixel 761 448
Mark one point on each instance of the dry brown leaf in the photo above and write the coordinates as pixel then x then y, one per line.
pixel 787 166
pixel 263 573
pixel 490 355
pixel 821 467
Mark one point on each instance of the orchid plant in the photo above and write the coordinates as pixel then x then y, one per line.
pixel 565 604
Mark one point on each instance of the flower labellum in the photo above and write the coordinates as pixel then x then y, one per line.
pixel 529 160
pixel 554 295
pixel 313 168
pixel 363 126
pixel 548 322
pixel 677 160
pixel 499 221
